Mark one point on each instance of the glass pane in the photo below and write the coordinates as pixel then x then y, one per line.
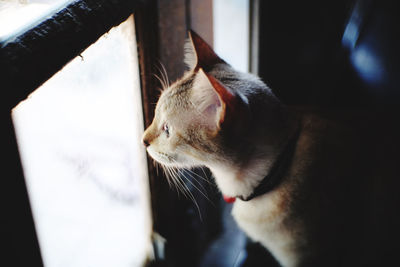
pixel 16 15
pixel 231 32
pixel 85 168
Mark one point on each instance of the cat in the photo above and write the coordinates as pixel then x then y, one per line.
pixel 311 187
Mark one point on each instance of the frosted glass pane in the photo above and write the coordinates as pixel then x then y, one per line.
pixel 231 32
pixel 85 168
pixel 18 15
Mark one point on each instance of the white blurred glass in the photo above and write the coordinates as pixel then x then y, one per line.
pixel 231 32
pixel 84 164
pixel 19 15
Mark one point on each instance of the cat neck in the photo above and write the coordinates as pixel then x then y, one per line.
pixel 277 171
pixel 233 181
pixel 250 179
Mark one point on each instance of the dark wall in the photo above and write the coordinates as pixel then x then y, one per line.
pixel 302 56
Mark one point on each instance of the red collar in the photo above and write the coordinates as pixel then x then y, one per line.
pixel 229 199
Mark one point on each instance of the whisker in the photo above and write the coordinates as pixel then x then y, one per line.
pixel 204 194
pixel 190 174
pixel 175 178
pixel 162 83
pixel 201 177
pixel 190 195
pixel 202 169
pixel 165 73
pixel 164 80
pixel 197 175
pixel 177 182
pixel 167 176
pixel 178 185
pixel 177 175
pixel 156 166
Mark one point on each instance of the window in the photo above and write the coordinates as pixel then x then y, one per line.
pixel 85 168
pixel 78 136
pixel 19 15
pixel 232 35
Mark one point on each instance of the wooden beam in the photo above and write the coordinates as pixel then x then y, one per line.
pixel 30 58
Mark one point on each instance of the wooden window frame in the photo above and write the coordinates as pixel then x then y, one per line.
pixel 29 58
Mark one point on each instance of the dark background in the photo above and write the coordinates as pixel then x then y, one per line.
pixel 331 53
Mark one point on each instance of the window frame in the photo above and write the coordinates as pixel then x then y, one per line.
pixel 30 58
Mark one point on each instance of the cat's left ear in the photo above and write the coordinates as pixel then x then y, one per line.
pixel 199 54
pixel 218 105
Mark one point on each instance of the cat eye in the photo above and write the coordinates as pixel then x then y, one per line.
pixel 166 129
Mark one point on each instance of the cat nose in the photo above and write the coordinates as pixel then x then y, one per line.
pixel 147 137
pixel 146 143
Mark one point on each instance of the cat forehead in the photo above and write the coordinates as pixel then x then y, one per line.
pixel 177 94
pixel 182 85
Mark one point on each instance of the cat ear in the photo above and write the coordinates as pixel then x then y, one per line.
pixel 213 100
pixel 199 54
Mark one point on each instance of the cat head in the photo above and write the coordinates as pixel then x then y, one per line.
pixel 202 118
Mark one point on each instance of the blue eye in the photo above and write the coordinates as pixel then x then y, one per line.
pixel 166 129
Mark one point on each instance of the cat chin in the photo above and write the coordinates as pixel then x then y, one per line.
pixel 161 158
pixel 167 160
pixel 233 181
pixel 229 184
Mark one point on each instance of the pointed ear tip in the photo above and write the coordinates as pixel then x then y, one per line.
pixel 192 32
pixel 209 76
pixel 203 72
pixel 195 37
